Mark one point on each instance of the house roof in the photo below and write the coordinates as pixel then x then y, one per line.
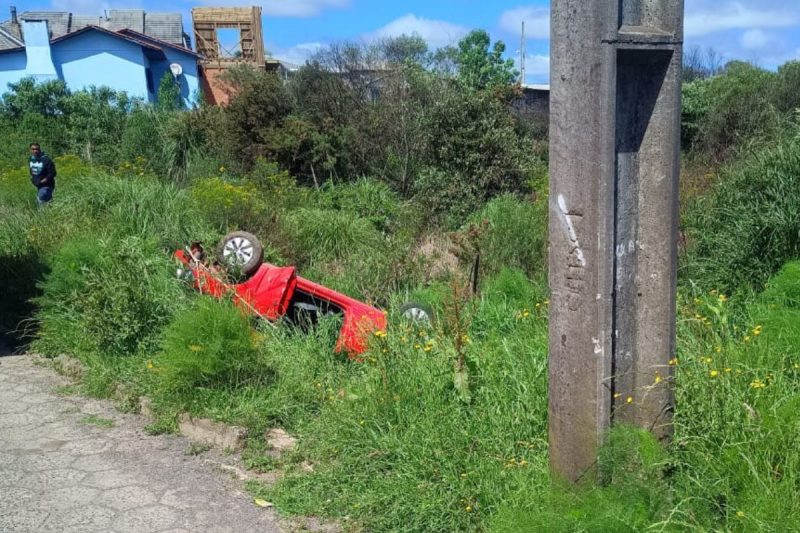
pixel 7 40
pixel 120 35
pixel 155 47
pixel 165 27
pixel 157 42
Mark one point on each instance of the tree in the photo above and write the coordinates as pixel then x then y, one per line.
pixel 699 64
pixel 27 96
pixel 169 94
pixel 480 67
pixel 404 49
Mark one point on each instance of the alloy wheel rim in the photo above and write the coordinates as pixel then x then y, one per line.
pixel 238 250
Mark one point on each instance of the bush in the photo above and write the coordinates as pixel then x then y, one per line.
pixel 229 205
pixel 210 345
pixel 726 112
pixel 749 226
pixel 368 199
pixel 109 297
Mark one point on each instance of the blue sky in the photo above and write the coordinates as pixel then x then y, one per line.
pixel 764 31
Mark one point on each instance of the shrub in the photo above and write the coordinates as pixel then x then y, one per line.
pixel 109 297
pixel 749 225
pixel 725 112
pixel 279 188
pixel 786 97
pixel 210 345
pixel 368 199
pixel 229 206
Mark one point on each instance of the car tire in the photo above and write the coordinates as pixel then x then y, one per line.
pixel 416 313
pixel 241 251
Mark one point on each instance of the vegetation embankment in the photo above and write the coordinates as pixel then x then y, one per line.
pixel 440 428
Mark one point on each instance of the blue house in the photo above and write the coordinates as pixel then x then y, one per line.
pixel 123 59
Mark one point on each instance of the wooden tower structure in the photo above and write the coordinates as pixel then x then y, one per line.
pixel 219 57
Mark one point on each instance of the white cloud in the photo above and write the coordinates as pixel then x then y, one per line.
pixel 537 68
pixel 754 39
pixel 735 15
pixel 297 54
pixel 537 21
pixel 437 33
pixel 287 8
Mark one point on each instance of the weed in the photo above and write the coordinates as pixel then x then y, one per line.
pixel 197 448
pixel 94 420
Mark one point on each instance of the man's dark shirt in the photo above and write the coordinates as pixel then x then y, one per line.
pixel 43 171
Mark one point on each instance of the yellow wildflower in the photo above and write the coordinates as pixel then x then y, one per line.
pixel 673 361
pixel 629 399
pixel 708 360
pixel 728 370
pixel 747 338
pixel 740 514
pixel 658 379
pixel 723 298
pixel 149 364
pixel 617 395
pixel 468 508
pixel 380 334
pixel 718 349
pixel 195 348
pixel 713 373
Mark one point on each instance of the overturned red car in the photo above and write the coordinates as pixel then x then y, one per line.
pixel 273 292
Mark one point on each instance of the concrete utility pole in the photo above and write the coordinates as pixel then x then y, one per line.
pixel 522 56
pixel 614 166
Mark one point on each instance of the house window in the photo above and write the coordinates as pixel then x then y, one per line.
pixel 148 74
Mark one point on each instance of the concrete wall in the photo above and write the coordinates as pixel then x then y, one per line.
pixel 94 58
pixel 12 68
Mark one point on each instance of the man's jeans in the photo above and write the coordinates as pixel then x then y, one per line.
pixel 44 195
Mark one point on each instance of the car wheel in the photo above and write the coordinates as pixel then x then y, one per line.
pixel 241 251
pixel 416 313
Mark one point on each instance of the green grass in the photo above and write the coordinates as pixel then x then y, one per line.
pixel 437 429
pixel 94 420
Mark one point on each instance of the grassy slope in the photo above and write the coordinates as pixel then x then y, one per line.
pixel 403 441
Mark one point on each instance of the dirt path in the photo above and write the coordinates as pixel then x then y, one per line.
pixel 71 464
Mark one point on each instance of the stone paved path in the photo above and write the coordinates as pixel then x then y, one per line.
pixel 59 472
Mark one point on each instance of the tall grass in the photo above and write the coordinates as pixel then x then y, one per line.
pixel 442 428
pixel 749 225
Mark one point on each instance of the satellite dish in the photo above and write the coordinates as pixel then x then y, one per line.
pixel 176 69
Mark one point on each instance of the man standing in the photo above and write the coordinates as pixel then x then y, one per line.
pixel 43 174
